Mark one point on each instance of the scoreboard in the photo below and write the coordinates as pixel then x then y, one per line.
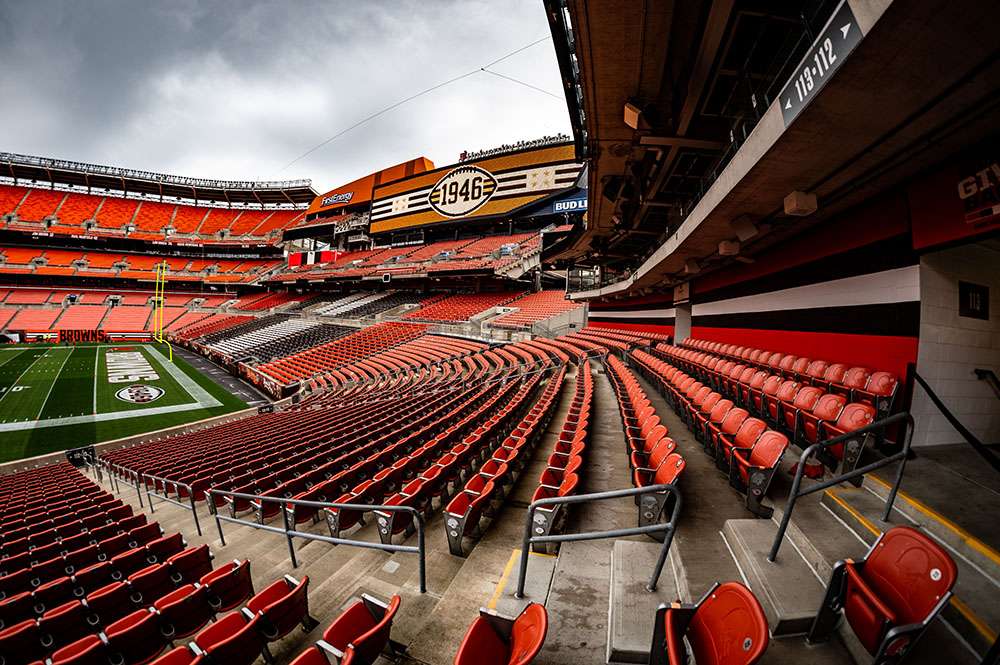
pixel 480 189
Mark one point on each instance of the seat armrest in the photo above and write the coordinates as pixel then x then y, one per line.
pixel 330 649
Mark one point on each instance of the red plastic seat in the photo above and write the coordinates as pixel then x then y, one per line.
pixel 726 627
pixel 89 650
pixel 228 585
pixel 63 624
pixel 178 656
pixel 148 584
pixel 163 548
pixel 231 640
pixel 190 565
pixel 108 603
pixel 891 596
pixel 363 628
pixel 136 638
pixel 484 645
pixel 184 611
pixel 20 643
pixel 282 606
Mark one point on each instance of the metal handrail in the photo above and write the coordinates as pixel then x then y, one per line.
pixel 969 437
pixel 132 478
pixel 178 485
pixel 667 528
pixel 290 533
pixel 990 377
pixel 795 494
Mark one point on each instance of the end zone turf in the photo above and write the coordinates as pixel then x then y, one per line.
pixel 58 397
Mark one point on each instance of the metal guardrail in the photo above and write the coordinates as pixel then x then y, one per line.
pixel 990 377
pixel 795 493
pixel 165 496
pixel 290 533
pixel 128 476
pixel 667 528
pixel 969 437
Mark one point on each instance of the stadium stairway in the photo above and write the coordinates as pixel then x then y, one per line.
pixel 793 586
pixel 574 583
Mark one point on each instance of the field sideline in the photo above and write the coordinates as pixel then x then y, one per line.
pixel 58 397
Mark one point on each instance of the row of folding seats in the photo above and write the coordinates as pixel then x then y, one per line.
pixel 340 352
pixel 533 308
pixel 300 341
pixel 808 414
pixel 435 456
pixel 485 490
pixel 236 344
pixel 652 455
pixel 239 637
pixel 560 477
pixel 461 307
pixel 213 323
pixel 103 602
pixel 24 554
pixel 742 446
pixel 858 384
pixel 56 580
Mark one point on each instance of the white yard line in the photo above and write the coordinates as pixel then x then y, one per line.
pixel 15 355
pixel 189 384
pixel 21 376
pixel 53 384
pixel 96 418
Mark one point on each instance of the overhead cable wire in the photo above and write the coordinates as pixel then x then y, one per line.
pixel 423 92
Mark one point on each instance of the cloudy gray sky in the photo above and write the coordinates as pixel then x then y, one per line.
pixel 239 88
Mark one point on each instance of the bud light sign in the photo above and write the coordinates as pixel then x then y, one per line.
pixel 572 205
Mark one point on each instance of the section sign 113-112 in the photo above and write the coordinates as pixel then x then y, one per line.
pixel 824 57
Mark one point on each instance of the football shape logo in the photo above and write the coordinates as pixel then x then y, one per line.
pixel 462 191
pixel 139 394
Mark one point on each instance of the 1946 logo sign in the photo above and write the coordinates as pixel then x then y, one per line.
pixel 462 191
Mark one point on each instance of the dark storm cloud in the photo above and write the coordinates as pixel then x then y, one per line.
pixel 238 89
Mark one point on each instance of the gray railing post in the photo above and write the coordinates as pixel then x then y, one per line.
pixel 666 528
pixel 288 536
pixel 796 492
pixel 194 509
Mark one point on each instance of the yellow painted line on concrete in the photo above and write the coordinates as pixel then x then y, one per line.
pixel 862 520
pixel 502 584
pixel 955 601
pixel 508 569
pixel 964 535
pixel 973 618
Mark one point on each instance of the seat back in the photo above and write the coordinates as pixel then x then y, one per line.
pixel 709 403
pixel 734 420
pixel 528 634
pixel 855 416
pixel 817 369
pixel 787 391
pixel 835 373
pixel 768 450
pixel 728 628
pixel 856 377
pixel 668 472
pixel 722 407
pixel 229 585
pixel 749 431
pixel 829 406
pixel 806 398
pixel 910 572
pixel 372 642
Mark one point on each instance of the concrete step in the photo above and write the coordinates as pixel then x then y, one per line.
pixel 973 612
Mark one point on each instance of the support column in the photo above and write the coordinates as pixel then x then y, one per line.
pixel 682 321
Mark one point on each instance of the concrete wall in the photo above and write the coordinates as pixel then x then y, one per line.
pixel 951 346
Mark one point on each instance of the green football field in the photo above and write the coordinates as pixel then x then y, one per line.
pixel 58 397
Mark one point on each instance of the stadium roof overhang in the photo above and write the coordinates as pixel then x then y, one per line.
pixel 26 168
pixel 877 121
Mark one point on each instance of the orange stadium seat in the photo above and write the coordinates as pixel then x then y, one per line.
pixel 39 204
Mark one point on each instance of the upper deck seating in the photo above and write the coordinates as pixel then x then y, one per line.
pixel 125 318
pixel 534 308
pixel 460 307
